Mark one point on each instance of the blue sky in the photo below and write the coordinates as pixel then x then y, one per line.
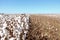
pixel 29 6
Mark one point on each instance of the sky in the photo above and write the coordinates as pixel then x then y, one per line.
pixel 30 6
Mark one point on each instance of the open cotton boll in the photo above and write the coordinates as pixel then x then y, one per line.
pixel 4 25
pixel 12 38
pixel 13 26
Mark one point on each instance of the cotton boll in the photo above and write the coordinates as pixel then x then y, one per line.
pixel 2 38
pixel 27 27
pixel 25 32
pixel 23 37
pixel 11 38
pixel 1 33
pixel 4 25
